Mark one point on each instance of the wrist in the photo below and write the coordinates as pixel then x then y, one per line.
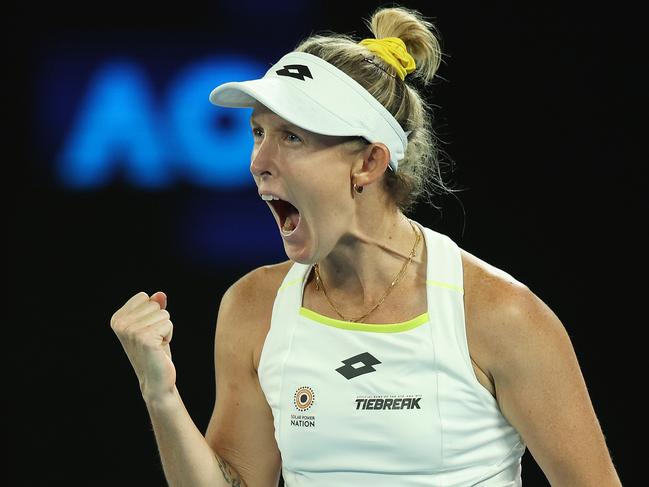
pixel 162 401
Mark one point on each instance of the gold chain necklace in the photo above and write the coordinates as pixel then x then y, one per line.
pixel 397 278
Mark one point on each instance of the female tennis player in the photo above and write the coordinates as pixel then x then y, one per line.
pixel 380 353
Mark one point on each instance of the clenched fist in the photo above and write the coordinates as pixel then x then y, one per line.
pixel 144 330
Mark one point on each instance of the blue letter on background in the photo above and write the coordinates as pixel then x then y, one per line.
pixel 213 143
pixel 116 129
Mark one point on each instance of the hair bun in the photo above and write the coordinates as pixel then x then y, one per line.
pixel 418 34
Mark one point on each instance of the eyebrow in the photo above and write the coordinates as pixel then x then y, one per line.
pixel 282 126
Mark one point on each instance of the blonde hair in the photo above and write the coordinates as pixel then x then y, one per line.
pixel 420 171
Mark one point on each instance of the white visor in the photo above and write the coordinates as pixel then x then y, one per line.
pixel 313 94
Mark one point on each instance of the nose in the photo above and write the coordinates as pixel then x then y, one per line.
pixel 263 159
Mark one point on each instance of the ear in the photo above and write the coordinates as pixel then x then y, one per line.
pixel 372 163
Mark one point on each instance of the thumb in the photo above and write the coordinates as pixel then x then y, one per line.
pixel 161 299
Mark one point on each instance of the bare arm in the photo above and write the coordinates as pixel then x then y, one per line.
pixel 187 458
pixel 144 329
pixel 541 390
pixel 239 447
pixel 241 428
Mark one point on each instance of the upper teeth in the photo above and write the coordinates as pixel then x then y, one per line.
pixel 268 197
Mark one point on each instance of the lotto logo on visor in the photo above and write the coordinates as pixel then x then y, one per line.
pixel 297 71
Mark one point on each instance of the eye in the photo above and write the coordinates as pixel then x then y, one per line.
pixel 257 132
pixel 292 138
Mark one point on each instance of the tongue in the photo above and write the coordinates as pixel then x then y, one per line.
pixel 292 220
pixel 289 226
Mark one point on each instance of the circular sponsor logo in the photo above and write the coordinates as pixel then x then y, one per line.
pixel 303 398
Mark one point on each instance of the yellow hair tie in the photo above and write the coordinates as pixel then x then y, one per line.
pixel 393 51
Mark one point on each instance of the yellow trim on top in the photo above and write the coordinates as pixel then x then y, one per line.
pixel 289 284
pixel 373 327
pixel 445 285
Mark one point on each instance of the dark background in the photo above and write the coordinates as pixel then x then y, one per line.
pixel 537 106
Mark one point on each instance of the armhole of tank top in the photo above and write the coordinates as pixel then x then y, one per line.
pixel 466 352
pixel 280 288
pixel 262 353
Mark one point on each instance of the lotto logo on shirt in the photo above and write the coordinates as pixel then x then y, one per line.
pixel 392 401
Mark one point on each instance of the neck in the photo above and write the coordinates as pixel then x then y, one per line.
pixel 367 259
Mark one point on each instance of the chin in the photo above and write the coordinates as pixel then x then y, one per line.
pixel 301 248
pixel 300 258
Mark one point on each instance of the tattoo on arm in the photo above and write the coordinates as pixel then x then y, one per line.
pixel 232 478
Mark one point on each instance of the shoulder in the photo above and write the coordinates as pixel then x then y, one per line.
pixel 505 320
pixel 489 290
pixel 257 285
pixel 538 381
pixel 253 293
pixel 247 305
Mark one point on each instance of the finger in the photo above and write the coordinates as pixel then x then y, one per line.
pixel 133 302
pixel 162 330
pixel 144 309
pixel 136 301
pixel 146 320
pixel 161 298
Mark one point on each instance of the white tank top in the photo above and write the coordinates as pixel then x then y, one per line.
pixel 358 404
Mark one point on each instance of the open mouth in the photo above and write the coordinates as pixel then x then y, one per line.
pixel 287 215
